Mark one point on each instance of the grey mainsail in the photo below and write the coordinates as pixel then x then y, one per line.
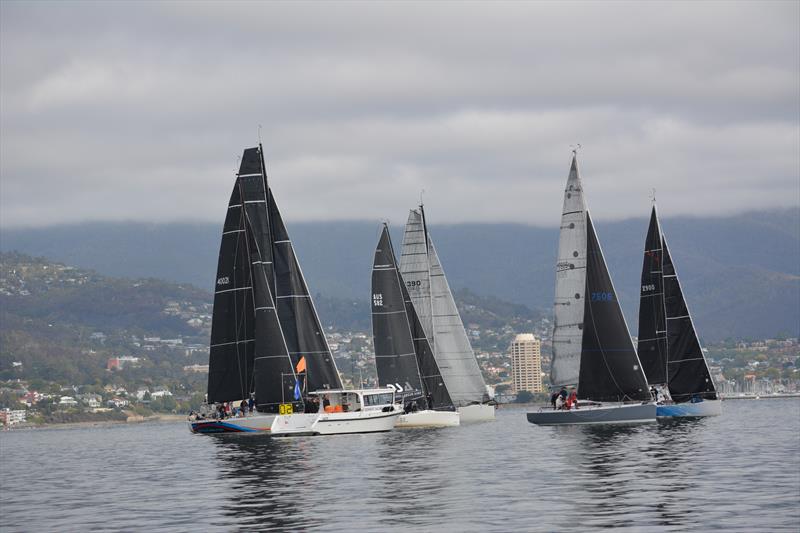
pixel 570 281
pixel 433 300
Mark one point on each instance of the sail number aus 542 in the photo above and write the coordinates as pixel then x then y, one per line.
pixel 602 296
pixel 377 300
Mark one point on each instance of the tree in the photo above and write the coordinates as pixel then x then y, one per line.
pixel 524 396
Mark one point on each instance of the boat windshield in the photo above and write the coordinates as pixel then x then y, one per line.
pixel 378 399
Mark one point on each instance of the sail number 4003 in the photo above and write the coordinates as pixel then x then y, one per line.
pixel 602 296
pixel 223 281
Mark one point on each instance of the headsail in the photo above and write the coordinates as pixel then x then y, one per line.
pixel 609 366
pixel 687 370
pixel 570 281
pixel 247 353
pixel 427 285
pixel 652 345
pixel 301 326
pixel 403 354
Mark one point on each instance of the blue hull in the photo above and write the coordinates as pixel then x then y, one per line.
pixel 685 410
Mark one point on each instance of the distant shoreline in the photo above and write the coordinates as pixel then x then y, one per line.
pixel 101 423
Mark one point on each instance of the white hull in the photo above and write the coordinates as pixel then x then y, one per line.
pixel 685 410
pixel 301 424
pixel 476 413
pixel 429 419
pixel 613 414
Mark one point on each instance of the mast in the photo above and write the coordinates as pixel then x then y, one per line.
pixel 687 369
pixel 426 238
pixel 652 343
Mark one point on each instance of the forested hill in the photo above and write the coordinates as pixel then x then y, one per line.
pixel 741 274
pixel 62 323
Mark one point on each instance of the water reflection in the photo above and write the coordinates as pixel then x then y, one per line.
pixel 626 475
pixel 266 478
pixel 409 465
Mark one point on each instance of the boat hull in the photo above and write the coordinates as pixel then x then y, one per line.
pixel 429 418
pixel 334 423
pixel 301 424
pixel 476 413
pixel 259 423
pixel 685 410
pixel 614 414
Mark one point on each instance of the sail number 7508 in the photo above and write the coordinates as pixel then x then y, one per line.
pixel 602 296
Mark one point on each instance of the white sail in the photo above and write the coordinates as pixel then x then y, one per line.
pixel 570 284
pixel 433 300
pixel 415 269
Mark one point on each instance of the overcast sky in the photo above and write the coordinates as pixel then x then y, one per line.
pixel 114 111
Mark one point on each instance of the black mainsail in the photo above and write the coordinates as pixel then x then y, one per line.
pixel 678 360
pixel 403 355
pixel 592 346
pixel 248 354
pixel 652 345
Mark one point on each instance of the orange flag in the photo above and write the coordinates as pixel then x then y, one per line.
pixel 301 365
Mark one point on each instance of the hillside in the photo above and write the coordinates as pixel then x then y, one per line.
pixel 741 273
pixel 60 323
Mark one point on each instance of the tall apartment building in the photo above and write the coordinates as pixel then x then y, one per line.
pixel 526 363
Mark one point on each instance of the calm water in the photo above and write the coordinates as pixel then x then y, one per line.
pixel 739 472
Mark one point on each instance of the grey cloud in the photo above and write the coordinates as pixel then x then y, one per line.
pixel 138 110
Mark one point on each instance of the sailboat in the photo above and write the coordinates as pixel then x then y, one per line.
pixel 592 347
pixel 668 346
pixel 433 301
pixel 267 343
pixel 403 355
